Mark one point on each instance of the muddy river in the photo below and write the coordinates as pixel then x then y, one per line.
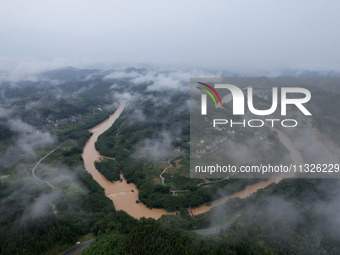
pixel 124 195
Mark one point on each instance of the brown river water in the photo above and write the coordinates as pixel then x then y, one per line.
pixel 120 193
pixel 125 199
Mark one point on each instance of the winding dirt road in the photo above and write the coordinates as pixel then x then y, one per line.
pixel 36 165
pixel 165 169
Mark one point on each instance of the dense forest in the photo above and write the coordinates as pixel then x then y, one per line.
pixel 254 230
pixel 109 168
pixel 122 142
pixel 295 216
pixel 50 231
pixel 36 219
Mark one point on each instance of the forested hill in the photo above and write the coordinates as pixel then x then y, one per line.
pixel 56 109
pixel 292 217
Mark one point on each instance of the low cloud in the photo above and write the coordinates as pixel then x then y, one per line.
pixel 43 204
pixel 156 148
pixel 13 69
pixel 29 140
pixel 120 75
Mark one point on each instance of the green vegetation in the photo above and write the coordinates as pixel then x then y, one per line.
pixel 109 168
pixel 35 219
pixel 123 139
pixel 291 217
pixel 26 231
pixel 260 227
pixel 150 237
pixel 79 131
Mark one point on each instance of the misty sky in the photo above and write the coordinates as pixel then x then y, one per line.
pixel 234 34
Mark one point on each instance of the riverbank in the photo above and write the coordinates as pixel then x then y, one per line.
pixel 125 196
